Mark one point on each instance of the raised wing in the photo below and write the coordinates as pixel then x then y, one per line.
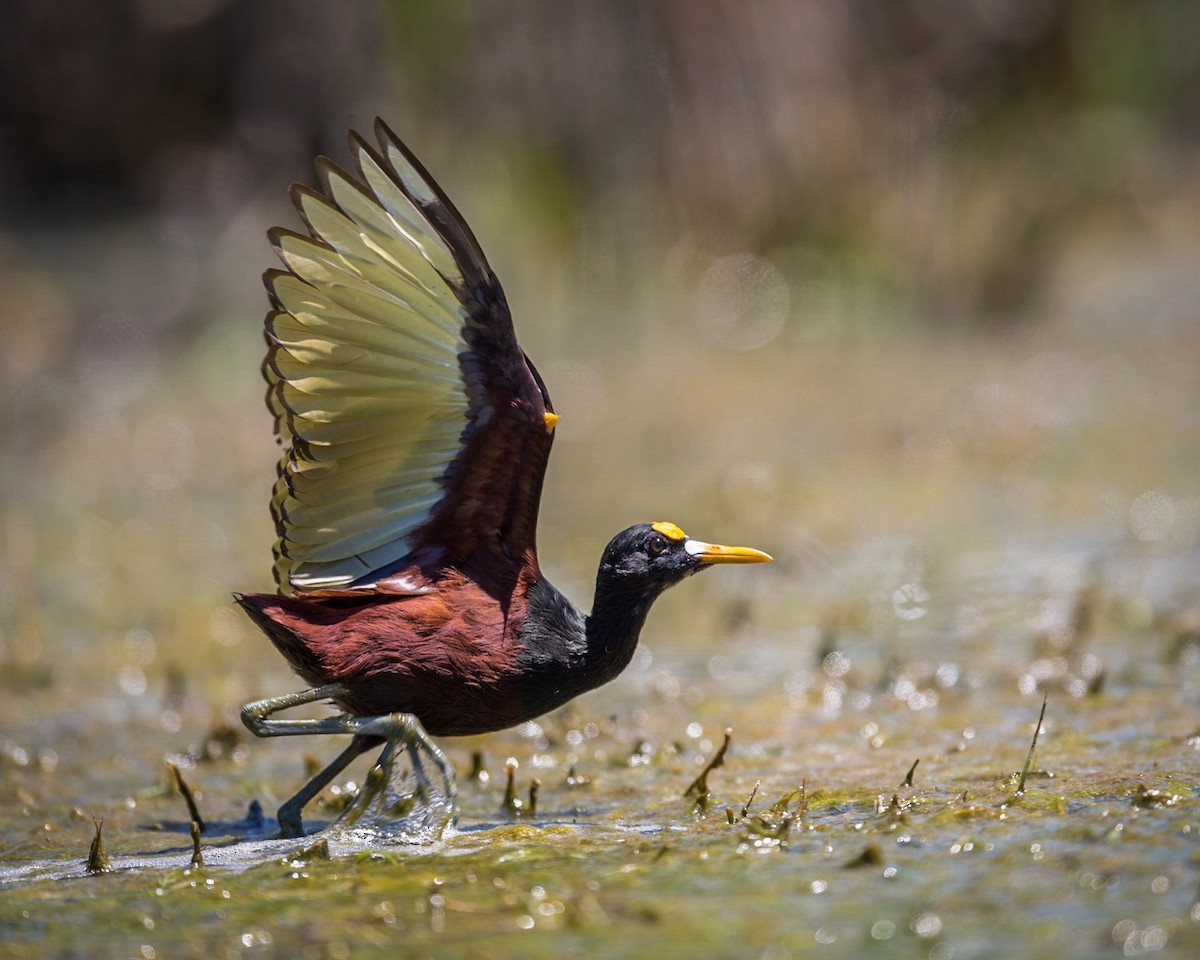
pixel 415 428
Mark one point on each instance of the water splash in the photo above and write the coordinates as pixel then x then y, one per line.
pixel 399 803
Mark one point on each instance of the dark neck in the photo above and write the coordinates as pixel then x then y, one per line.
pixel 565 653
pixel 615 624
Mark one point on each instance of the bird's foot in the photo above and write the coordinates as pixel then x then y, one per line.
pixel 398 802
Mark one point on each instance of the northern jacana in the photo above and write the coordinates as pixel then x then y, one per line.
pixel 416 435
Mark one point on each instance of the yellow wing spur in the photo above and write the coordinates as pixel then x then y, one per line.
pixel 390 347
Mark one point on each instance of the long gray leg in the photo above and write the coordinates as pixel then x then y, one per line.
pixel 290 822
pixel 254 715
pixel 394 728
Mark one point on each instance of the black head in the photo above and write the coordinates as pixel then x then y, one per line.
pixel 649 557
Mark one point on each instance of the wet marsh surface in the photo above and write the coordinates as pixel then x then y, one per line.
pixel 961 528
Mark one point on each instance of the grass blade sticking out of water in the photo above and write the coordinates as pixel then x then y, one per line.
pixel 510 805
pixel 197 855
pixel 97 861
pixel 750 799
pixel 1032 748
pixel 774 823
pixel 699 788
pixel 745 806
pixel 908 777
pixel 189 797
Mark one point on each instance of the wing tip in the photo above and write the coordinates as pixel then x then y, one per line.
pixel 432 200
pixel 330 170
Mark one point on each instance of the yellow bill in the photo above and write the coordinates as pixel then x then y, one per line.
pixel 717 553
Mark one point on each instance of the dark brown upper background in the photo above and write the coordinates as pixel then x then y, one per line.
pixel 869 130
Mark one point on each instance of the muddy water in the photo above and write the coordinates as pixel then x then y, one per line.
pixel 962 530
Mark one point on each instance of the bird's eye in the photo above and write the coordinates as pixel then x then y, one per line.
pixel 656 544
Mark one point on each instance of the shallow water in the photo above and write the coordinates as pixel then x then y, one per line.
pixel 961 529
pixel 1097 857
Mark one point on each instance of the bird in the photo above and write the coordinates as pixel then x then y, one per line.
pixel 415 435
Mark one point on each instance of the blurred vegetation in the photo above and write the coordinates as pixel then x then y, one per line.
pixel 916 251
pixel 945 154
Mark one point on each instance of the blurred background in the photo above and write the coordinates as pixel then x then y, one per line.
pixel 876 287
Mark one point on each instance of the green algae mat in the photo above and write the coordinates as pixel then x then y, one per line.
pixel 868 802
pixel 963 532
